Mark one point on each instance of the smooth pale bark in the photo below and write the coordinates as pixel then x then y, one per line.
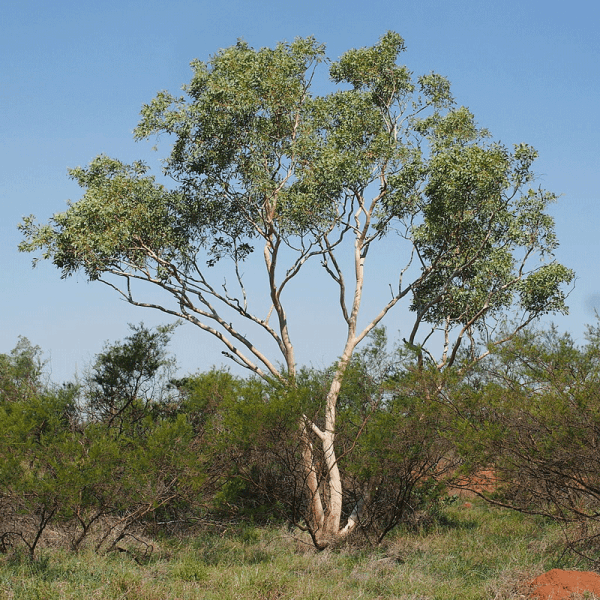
pixel 312 483
pixel 333 470
pixel 333 518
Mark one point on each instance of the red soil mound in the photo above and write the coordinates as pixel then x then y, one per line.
pixel 560 585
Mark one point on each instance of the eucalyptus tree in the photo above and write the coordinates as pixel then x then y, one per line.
pixel 267 171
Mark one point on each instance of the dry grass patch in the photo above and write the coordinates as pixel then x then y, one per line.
pixel 478 553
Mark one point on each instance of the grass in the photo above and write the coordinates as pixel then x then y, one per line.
pixel 474 553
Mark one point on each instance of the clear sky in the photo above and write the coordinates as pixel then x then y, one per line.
pixel 74 74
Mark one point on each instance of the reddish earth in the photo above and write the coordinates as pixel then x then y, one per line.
pixel 561 585
pixel 553 585
pixel 484 482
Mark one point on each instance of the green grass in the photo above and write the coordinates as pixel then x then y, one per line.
pixel 476 553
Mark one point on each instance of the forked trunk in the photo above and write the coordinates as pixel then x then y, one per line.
pixel 325 499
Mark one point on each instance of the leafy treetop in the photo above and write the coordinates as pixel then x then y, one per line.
pixel 259 160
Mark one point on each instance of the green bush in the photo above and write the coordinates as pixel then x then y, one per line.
pixel 535 420
pixel 91 472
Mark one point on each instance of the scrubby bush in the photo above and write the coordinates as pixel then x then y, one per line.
pixel 534 418
pixel 99 458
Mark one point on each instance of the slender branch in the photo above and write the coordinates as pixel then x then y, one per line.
pixel 338 277
pixel 320 434
pixel 183 314
pixel 241 283
pixel 184 282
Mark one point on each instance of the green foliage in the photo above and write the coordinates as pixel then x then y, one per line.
pixel 388 436
pixel 254 437
pixel 257 157
pixel 535 420
pixel 129 379
pixel 39 454
pixel 20 372
pixel 396 454
pixel 64 460
pixel 125 214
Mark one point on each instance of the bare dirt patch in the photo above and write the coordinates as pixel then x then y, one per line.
pixel 565 585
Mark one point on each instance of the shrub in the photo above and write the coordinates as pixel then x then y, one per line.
pixel 536 420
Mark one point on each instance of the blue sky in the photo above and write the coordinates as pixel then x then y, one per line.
pixel 74 75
